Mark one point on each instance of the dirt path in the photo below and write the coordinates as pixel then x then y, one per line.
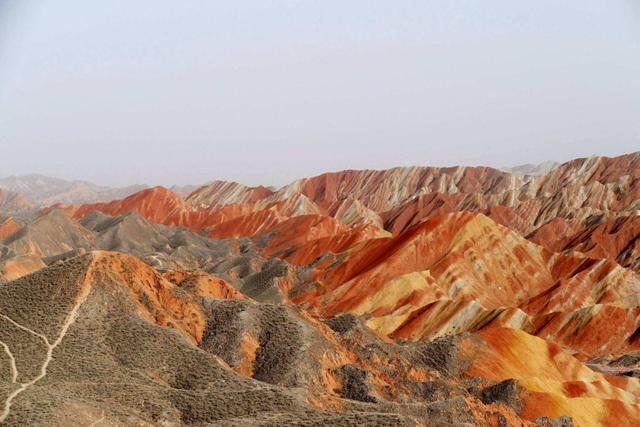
pixel 85 289
pixel 96 422
pixel 12 362
pixel 24 328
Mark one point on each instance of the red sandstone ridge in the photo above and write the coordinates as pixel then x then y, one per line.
pixel 463 271
pixel 400 198
pixel 617 239
pixel 386 189
pixel 162 206
pixel 302 239
pixel 219 193
pixel 157 204
pixel 622 171
pixel 310 248
pixel 296 217
pixel 575 191
pixel 262 217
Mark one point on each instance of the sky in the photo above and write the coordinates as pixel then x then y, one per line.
pixel 263 92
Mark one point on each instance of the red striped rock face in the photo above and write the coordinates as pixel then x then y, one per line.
pixel 535 276
pixel 463 271
pixel 157 204
pixel 220 193
pixel 384 190
pixel 616 239
pixel 550 208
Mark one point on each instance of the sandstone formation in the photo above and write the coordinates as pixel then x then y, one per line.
pixel 409 296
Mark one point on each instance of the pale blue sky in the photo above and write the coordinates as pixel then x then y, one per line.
pixel 164 92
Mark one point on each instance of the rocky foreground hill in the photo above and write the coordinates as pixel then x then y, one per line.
pixel 409 296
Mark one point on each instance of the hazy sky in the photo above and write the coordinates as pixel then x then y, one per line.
pixel 164 92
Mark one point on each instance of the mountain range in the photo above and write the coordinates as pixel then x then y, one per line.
pixel 44 191
pixel 406 296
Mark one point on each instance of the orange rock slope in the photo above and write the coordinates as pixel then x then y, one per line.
pixel 8 227
pixel 616 239
pixel 555 384
pixel 463 271
pixel 158 297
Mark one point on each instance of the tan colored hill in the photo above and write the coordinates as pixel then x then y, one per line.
pixel 8 226
pixel 14 203
pixel 52 234
pixel 46 191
